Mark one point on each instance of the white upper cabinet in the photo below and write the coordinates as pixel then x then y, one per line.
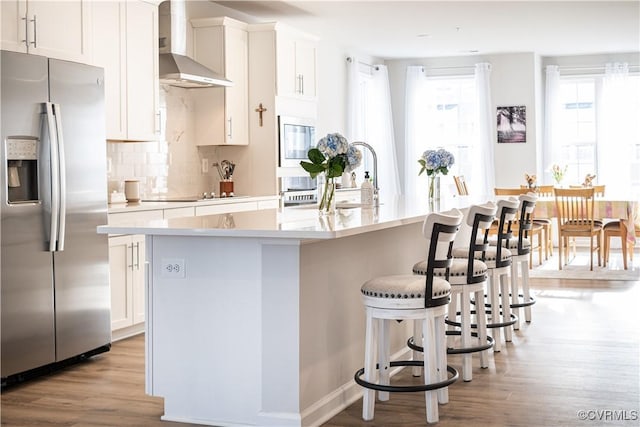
pixel 57 29
pixel 125 43
pixel 221 114
pixel 296 64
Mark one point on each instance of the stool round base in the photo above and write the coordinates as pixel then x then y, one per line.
pixel 411 388
pixel 529 303
pixel 456 350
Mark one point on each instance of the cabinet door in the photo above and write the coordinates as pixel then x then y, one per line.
pixel 120 263
pixel 109 50
pixel 236 96
pixel 59 29
pixel 142 71
pixel 286 81
pixel 127 280
pixel 221 114
pixel 306 68
pixel 296 66
pixel 138 278
pixel 13 25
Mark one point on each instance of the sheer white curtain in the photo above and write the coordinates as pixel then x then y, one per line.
pixel 551 151
pixel 483 178
pixel 615 120
pixel 370 120
pixel 415 105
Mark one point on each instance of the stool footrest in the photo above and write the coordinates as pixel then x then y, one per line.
pixel 531 301
pixel 456 350
pixel 411 388
pixel 513 321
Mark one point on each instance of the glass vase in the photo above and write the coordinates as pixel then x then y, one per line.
pixel 327 205
pixel 434 187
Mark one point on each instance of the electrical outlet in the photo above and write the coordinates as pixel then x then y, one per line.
pixel 205 165
pixel 173 268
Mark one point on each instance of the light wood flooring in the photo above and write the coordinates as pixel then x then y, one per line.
pixel 580 353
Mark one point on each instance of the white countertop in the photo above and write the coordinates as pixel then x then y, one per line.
pixel 302 222
pixel 147 206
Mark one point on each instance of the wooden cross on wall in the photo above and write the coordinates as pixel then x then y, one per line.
pixel 260 110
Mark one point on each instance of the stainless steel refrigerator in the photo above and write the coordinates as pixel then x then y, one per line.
pixel 53 194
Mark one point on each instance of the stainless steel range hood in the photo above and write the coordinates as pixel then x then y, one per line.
pixel 176 68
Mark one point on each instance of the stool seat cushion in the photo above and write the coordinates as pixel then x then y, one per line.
pixel 489 256
pixel 513 243
pixel 542 221
pixel 401 291
pixel 457 272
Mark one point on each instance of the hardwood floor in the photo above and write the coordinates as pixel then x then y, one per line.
pixel 580 353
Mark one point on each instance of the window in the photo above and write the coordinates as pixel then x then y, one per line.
pixel 449 118
pixel 441 113
pixel 598 130
pixel 577 127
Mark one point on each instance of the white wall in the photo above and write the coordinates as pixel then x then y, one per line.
pixel 516 79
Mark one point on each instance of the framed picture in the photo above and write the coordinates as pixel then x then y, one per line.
pixel 512 124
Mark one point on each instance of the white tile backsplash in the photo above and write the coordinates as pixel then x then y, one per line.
pixel 172 165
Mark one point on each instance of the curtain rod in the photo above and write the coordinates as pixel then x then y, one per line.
pixel 588 67
pixel 375 67
pixel 457 67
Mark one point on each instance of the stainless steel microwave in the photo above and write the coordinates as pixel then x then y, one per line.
pixel 296 136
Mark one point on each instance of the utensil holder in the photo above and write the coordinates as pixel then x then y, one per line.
pixel 226 187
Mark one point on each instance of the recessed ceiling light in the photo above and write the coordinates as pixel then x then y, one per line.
pixel 424 35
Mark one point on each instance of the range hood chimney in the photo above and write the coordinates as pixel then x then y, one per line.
pixel 176 68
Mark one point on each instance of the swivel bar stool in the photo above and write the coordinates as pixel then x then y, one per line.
pixel 411 297
pixel 467 276
pixel 520 250
pixel 498 261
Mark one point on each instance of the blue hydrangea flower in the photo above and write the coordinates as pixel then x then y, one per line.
pixel 436 161
pixel 333 145
pixel 354 158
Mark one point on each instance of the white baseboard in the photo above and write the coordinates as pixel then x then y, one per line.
pixel 338 400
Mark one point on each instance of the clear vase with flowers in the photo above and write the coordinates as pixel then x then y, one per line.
pixel 558 173
pixel 435 162
pixel 332 156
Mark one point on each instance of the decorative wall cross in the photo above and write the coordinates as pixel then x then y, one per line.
pixel 260 110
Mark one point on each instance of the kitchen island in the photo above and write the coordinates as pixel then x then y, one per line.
pixel 255 318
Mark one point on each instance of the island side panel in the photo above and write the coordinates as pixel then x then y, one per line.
pixel 280 329
pixel 205 344
pixel 332 322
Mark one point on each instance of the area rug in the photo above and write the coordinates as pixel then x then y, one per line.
pixel 578 267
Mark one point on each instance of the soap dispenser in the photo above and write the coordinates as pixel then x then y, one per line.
pixel 366 190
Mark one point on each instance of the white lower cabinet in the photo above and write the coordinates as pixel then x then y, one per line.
pixel 126 264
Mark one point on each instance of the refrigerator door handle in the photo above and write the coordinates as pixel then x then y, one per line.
pixel 55 173
pixel 62 180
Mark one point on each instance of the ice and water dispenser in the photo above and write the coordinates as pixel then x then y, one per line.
pixel 22 169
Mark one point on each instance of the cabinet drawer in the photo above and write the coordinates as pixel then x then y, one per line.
pixel 269 204
pixel 226 208
pixel 130 218
pixel 179 212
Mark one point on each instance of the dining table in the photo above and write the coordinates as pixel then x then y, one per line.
pixel 625 209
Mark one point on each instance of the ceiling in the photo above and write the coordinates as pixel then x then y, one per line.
pixel 416 29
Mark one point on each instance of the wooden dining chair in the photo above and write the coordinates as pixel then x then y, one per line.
pixel 547 223
pixel 461 185
pixel 616 229
pixel 537 230
pixel 575 209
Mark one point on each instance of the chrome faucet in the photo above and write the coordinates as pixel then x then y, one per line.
pixel 376 190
